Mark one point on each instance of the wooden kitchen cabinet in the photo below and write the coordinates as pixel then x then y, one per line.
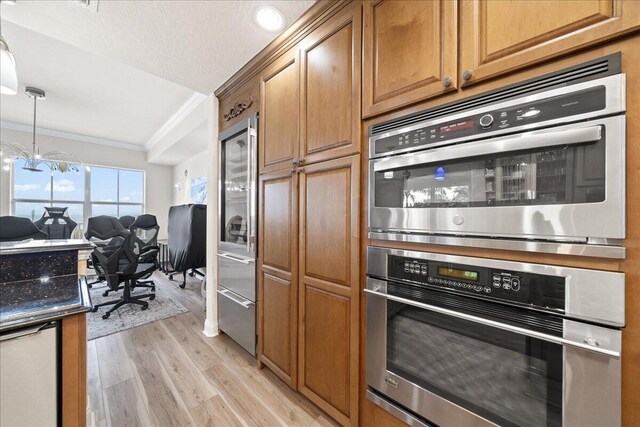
pixel 279 114
pixel 328 285
pixel 500 36
pixel 410 52
pixel 277 278
pixel 330 79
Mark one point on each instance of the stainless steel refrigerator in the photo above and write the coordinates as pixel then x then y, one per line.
pixel 237 250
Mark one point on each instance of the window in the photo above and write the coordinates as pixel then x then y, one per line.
pixel 32 191
pixel 94 191
pixel 116 192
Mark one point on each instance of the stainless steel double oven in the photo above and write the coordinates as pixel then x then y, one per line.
pixel 464 341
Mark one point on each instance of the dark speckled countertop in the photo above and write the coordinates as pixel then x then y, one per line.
pixel 32 246
pixel 39 282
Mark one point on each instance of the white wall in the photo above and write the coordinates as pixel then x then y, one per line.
pixel 196 166
pixel 158 178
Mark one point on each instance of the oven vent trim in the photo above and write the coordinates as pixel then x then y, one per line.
pixel 591 70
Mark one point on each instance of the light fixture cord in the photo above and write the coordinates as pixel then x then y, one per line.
pixel 35 102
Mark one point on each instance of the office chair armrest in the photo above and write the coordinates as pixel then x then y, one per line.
pixel 148 254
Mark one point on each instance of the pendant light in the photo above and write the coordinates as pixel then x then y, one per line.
pixel 8 76
pixel 33 160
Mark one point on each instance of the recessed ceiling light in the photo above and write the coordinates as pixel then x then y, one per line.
pixel 269 18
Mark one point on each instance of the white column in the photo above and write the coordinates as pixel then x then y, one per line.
pixel 211 321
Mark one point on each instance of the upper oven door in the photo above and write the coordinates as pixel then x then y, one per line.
pixel 546 184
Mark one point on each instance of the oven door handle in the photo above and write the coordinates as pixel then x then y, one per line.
pixel 524 141
pixel 492 323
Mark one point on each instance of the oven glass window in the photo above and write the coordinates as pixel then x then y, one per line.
pixel 507 378
pixel 553 175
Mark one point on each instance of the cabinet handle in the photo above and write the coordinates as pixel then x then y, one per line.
pixel 292 171
pixel 300 170
pixel 467 75
pixel 300 161
pixel 447 82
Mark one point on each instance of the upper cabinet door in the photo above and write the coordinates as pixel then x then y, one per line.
pixel 500 36
pixel 410 52
pixel 279 111
pixel 330 88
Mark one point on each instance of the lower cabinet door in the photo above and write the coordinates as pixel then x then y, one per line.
pixel 278 280
pixel 328 286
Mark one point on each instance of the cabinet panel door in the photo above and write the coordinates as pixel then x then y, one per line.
pixel 500 36
pixel 410 50
pixel 278 281
pixel 330 89
pixel 279 112
pixel 329 291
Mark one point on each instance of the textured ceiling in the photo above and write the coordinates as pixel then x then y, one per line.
pixel 197 44
pixel 87 94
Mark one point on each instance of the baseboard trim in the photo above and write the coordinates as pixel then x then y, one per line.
pixel 210 328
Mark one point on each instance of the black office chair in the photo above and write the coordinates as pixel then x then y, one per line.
pixel 100 230
pixel 144 236
pixel 119 264
pixel 127 220
pixel 15 228
pixel 56 223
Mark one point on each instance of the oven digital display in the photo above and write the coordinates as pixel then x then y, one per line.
pixel 458 274
pixel 456 126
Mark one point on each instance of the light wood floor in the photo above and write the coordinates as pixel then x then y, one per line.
pixel 167 373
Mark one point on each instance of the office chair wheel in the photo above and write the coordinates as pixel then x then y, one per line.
pixel 106 316
pixel 152 297
pixel 153 289
pixel 105 294
pixel 171 277
pixel 144 307
pixel 192 273
pixel 182 285
pixel 94 309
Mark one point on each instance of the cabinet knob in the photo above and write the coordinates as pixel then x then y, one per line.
pixel 295 162
pixel 467 75
pixel 447 82
pixel 300 170
pixel 300 161
pixel 292 171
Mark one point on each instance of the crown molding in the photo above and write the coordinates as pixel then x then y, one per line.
pixel 192 103
pixel 71 136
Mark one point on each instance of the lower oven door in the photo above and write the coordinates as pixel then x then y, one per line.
pixel 454 368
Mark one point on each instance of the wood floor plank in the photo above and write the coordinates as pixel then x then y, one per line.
pixel 192 385
pixel 240 399
pixel 324 421
pixel 215 413
pixel 137 341
pixel 280 403
pixel 165 406
pixel 124 406
pixel 113 360
pixel 95 404
pixel 192 342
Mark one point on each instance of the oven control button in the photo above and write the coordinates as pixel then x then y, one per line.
pixel 506 286
pixel 458 219
pixel 487 289
pixel 423 271
pixel 486 120
pixel 515 284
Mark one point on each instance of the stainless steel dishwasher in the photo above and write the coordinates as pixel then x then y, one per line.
pixel 29 372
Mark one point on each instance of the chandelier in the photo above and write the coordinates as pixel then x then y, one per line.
pixel 33 160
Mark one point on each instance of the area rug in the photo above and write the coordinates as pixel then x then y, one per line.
pixel 129 315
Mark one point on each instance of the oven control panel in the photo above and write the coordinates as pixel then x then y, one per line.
pixel 512 286
pixel 567 105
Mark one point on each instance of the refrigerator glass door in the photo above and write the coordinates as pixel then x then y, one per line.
pixel 235 192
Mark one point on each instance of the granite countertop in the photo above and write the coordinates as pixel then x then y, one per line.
pixel 41 300
pixel 32 246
